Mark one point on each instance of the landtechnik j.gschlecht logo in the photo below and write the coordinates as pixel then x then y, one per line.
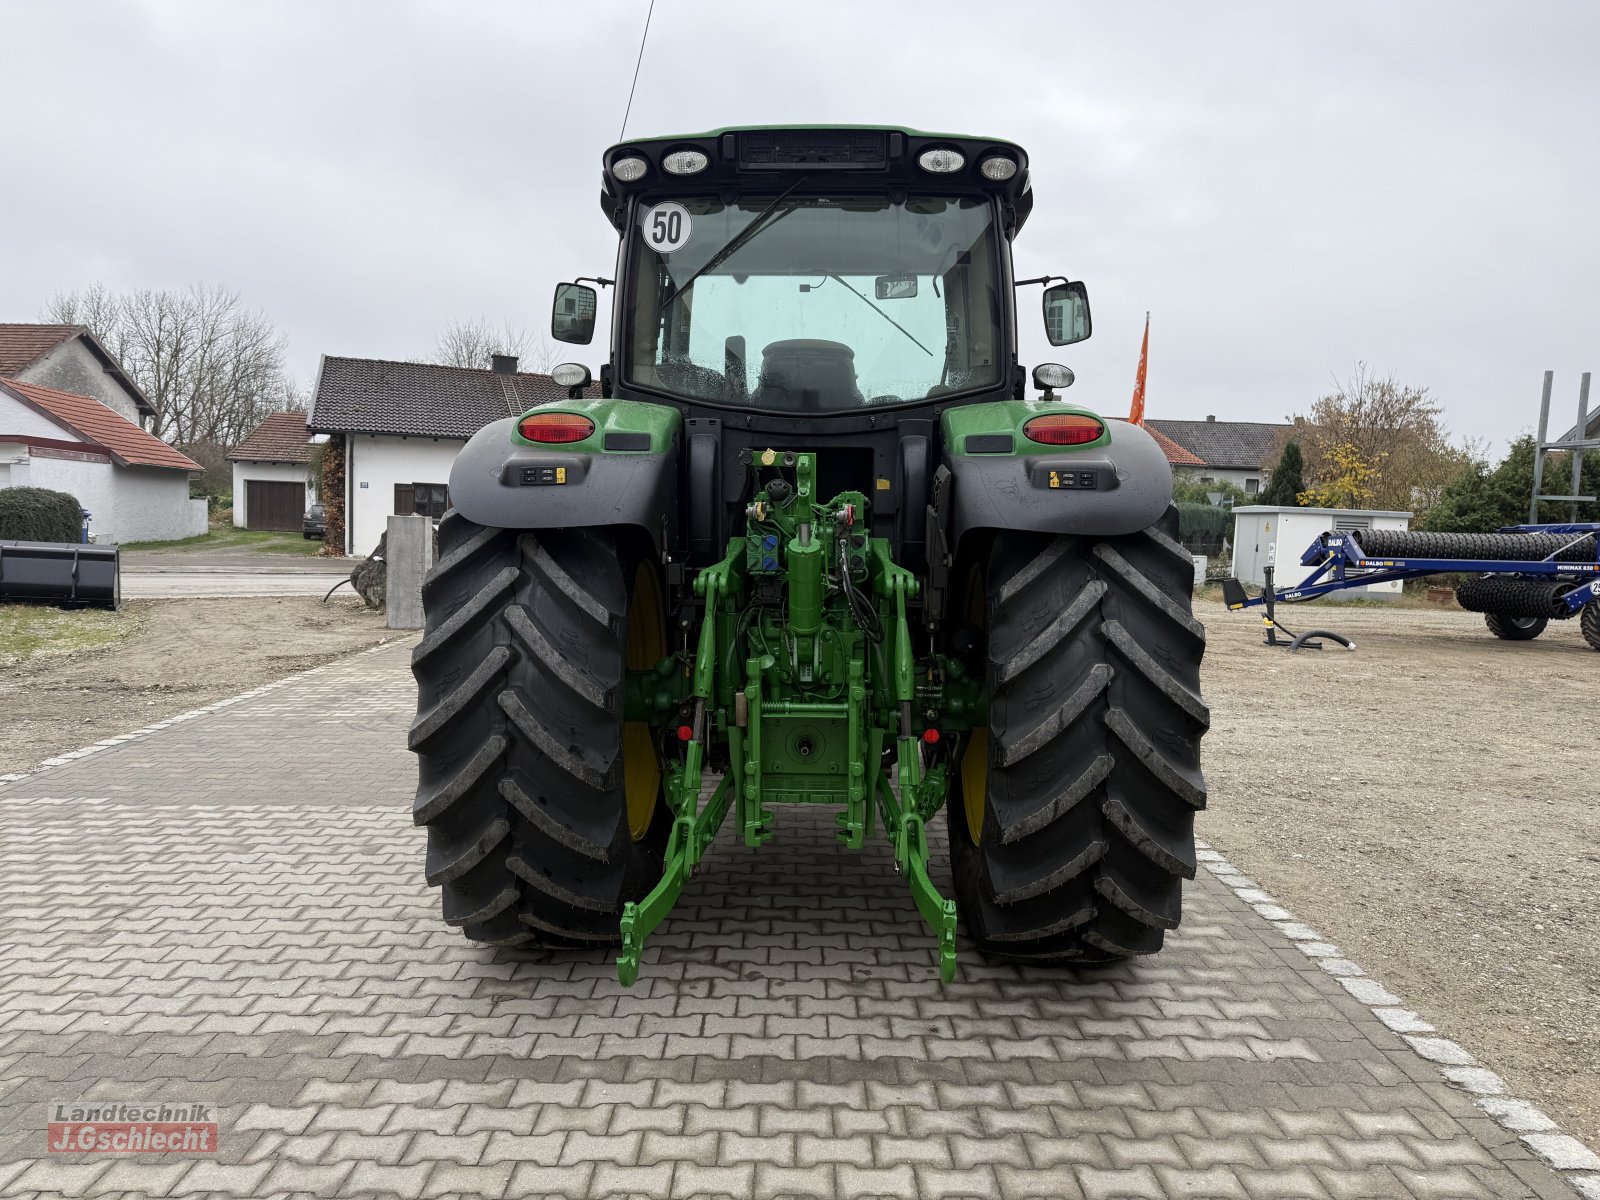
pixel 131 1127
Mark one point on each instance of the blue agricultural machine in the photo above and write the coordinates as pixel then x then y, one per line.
pixel 1523 576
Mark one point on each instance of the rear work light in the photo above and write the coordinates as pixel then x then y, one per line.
pixel 685 162
pixel 1063 429
pixel 997 167
pixel 941 161
pixel 630 169
pixel 555 427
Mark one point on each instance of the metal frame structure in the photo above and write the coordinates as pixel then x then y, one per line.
pixel 1576 446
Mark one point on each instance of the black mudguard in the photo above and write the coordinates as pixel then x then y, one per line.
pixel 1116 489
pixel 496 482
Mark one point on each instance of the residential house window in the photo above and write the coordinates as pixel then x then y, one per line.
pixel 1252 486
pixel 430 499
pixel 423 499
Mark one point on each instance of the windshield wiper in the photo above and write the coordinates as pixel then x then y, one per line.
pixel 739 239
pixel 884 315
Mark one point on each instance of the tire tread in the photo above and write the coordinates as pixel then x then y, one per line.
pixel 1094 778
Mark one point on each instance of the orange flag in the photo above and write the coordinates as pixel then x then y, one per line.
pixel 1136 413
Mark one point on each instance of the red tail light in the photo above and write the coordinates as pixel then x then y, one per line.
pixel 555 427
pixel 1063 429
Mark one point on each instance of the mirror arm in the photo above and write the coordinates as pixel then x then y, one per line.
pixel 595 279
pixel 1047 280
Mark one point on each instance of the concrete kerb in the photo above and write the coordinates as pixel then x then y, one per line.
pixel 71 756
pixel 1579 1164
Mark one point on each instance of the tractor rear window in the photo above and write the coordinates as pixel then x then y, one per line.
pixel 815 304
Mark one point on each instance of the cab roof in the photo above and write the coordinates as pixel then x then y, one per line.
pixel 860 157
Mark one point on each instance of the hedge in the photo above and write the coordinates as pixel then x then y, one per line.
pixel 30 514
pixel 1202 528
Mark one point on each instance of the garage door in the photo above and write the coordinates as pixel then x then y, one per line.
pixel 271 505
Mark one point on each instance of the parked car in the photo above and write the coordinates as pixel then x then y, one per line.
pixel 316 524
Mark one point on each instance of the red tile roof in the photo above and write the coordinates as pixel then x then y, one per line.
pixel 1177 456
pixel 100 427
pixel 23 345
pixel 282 437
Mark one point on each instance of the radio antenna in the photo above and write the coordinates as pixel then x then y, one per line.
pixel 642 40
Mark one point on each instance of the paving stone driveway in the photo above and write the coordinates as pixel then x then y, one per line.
pixel 231 910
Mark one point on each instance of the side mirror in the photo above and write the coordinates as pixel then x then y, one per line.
pixel 895 287
pixel 1066 313
pixel 572 317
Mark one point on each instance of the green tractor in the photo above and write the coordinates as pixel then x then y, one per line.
pixel 813 543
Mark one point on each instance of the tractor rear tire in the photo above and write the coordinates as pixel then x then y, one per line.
pixel 1090 767
pixel 543 812
pixel 1589 624
pixel 1515 629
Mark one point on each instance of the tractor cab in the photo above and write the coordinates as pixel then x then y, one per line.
pixel 815 272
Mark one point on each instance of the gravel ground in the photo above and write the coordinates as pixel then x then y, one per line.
pixel 1427 802
pixel 170 656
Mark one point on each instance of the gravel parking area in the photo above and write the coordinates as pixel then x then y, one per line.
pixel 155 658
pixel 1430 799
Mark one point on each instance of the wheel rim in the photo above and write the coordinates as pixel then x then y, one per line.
pixel 975 758
pixel 1524 622
pixel 975 781
pixel 647 643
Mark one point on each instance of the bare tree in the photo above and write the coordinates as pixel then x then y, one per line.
pixel 292 396
pixel 96 306
pixel 474 343
pixel 212 367
pixel 1394 428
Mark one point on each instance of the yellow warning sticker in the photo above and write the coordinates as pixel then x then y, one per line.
pixel 883 485
pixel 561 474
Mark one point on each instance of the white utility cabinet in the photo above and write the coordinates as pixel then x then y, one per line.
pixel 1266 536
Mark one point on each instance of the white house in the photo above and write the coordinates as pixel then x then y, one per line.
pixel 272 483
pixel 68 358
pixel 1237 452
pixel 135 486
pixel 400 426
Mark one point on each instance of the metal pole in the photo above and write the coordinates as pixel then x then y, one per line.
pixel 1538 448
pixel 1583 434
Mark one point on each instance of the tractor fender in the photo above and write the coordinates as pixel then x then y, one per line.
pixel 509 486
pixel 1108 490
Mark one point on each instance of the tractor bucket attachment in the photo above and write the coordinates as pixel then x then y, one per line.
pixel 70 574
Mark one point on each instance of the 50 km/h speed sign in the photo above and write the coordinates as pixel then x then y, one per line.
pixel 667 227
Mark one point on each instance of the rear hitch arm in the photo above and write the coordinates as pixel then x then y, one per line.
pixel 693 828
pixel 905 820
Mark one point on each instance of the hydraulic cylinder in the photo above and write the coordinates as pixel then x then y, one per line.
pixel 805 582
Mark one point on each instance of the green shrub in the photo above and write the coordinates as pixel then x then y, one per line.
pixel 1288 479
pixel 1202 528
pixel 1187 489
pixel 30 514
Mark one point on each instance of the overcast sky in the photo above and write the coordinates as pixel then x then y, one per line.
pixel 1288 187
